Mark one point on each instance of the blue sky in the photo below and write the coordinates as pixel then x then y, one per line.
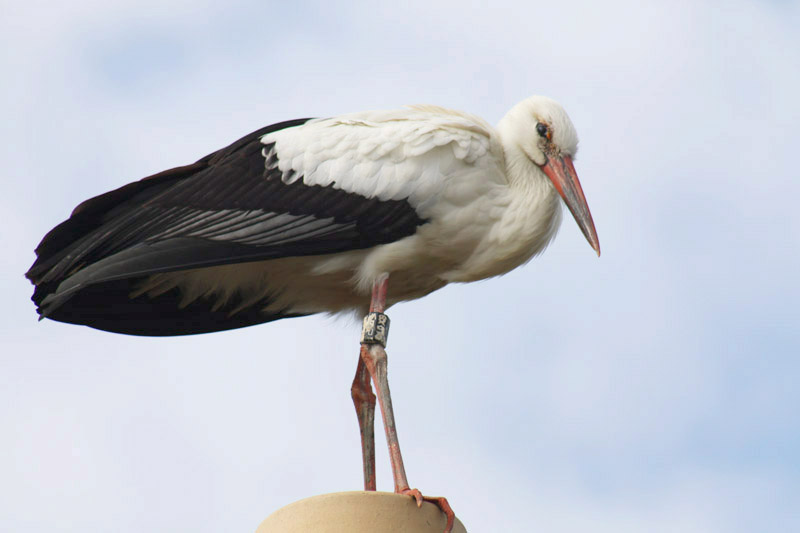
pixel 654 388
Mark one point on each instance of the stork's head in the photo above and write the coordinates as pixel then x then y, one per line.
pixel 541 129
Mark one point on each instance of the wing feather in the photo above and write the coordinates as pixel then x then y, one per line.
pixel 382 154
pixel 296 188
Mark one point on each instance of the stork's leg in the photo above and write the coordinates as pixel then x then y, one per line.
pixel 374 357
pixel 364 400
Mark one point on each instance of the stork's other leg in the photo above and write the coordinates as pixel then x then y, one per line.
pixel 376 361
pixel 374 357
pixel 364 400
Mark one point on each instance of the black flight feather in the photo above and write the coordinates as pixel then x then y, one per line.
pixel 231 206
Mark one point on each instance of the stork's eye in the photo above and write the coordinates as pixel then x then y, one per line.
pixel 543 130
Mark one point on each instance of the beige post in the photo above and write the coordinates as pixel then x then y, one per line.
pixel 357 512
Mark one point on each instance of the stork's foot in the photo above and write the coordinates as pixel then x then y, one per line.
pixel 440 501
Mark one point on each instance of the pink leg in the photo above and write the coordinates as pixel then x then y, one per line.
pixel 375 360
pixel 364 400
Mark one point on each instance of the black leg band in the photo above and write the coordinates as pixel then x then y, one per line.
pixel 375 329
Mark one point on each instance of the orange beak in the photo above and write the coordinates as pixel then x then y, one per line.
pixel 562 173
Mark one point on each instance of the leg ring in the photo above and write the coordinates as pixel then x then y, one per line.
pixel 375 329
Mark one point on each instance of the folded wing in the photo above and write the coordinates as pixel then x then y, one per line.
pixel 292 189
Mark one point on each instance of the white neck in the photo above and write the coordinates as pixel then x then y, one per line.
pixel 530 217
pixel 534 214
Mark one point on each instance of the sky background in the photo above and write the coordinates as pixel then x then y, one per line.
pixel 654 389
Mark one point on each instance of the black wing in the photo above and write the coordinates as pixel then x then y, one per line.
pixel 231 206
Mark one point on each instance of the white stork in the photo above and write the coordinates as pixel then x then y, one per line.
pixel 311 216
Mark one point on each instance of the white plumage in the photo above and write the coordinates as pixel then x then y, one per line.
pixel 489 206
pixel 483 201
